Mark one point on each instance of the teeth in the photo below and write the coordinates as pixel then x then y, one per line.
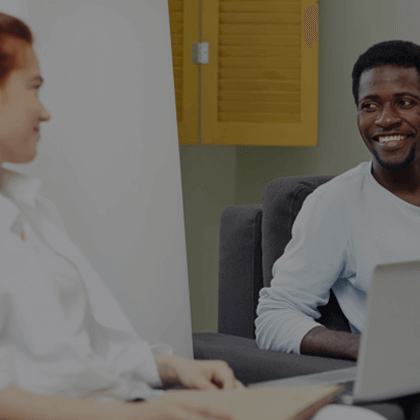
pixel 385 139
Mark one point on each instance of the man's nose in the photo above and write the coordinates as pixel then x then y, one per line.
pixel 388 116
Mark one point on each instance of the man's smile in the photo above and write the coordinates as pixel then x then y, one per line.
pixel 385 138
pixel 392 141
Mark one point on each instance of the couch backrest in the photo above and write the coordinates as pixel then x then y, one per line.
pixel 282 201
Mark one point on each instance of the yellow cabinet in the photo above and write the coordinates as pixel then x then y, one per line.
pixel 260 86
pixel 184 18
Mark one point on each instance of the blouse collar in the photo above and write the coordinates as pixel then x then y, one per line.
pixel 19 187
pixel 15 189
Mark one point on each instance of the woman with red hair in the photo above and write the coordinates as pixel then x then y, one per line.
pixel 67 350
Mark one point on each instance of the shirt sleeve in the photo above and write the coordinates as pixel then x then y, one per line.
pixel 125 352
pixel 136 357
pixel 7 363
pixel 303 275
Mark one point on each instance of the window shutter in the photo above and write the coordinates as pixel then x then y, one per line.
pixel 184 23
pixel 261 84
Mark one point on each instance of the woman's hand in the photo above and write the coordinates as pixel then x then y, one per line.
pixel 196 374
pixel 177 406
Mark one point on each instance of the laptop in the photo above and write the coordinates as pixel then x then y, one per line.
pixel 388 364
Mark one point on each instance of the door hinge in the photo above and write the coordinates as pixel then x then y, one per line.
pixel 200 52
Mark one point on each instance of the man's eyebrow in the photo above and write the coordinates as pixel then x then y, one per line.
pixel 370 97
pixel 407 94
pixel 397 95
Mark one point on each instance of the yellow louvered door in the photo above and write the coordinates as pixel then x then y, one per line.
pixel 261 84
pixel 185 26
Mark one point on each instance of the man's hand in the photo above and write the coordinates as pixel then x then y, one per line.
pixel 323 342
pixel 196 374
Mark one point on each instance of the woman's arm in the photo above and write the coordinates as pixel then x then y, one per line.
pixel 16 404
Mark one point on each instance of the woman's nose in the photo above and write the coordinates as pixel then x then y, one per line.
pixel 45 115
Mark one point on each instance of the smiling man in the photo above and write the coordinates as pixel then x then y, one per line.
pixel 367 216
pixel 389 121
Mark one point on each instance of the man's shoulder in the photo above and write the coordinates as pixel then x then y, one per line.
pixel 344 185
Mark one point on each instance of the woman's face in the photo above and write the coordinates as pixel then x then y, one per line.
pixel 21 111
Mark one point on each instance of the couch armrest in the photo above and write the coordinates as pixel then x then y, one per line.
pixel 251 364
pixel 240 269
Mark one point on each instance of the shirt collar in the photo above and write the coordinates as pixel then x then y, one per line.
pixel 15 189
pixel 19 187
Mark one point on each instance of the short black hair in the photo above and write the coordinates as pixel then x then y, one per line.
pixel 396 53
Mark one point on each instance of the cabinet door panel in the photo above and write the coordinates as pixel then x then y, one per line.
pixel 184 22
pixel 261 84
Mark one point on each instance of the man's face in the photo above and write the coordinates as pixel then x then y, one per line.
pixel 388 115
pixel 21 110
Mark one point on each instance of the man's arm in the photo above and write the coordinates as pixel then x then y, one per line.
pixel 315 258
pixel 323 342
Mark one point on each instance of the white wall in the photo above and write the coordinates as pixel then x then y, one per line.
pixel 109 156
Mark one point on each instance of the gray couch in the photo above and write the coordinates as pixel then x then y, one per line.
pixel 252 237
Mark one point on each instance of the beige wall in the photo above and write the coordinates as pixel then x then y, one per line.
pixel 407 20
pixel 208 183
pixel 215 177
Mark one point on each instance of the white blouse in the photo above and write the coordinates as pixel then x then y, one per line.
pixel 61 330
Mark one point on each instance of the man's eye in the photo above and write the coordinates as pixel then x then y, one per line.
pixel 368 105
pixel 405 102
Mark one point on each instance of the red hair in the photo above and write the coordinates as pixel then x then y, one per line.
pixel 12 33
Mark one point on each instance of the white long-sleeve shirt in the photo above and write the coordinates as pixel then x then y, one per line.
pixel 345 227
pixel 61 330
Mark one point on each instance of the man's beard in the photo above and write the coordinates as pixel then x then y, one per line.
pixel 398 166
